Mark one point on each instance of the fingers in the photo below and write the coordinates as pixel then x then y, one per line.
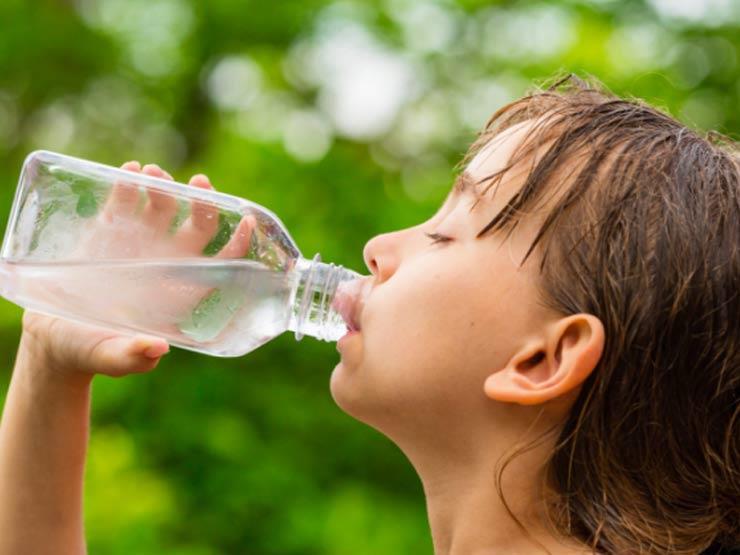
pixel 203 215
pixel 198 230
pixel 150 347
pixel 194 234
pixel 162 207
pixel 120 355
pixel 124 197
pixel 240 241
pixel 132 166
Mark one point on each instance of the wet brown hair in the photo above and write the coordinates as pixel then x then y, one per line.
pixel 644 233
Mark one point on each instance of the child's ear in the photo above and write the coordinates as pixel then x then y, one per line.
pixel 552 365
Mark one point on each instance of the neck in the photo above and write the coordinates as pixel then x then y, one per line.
pixel 467 515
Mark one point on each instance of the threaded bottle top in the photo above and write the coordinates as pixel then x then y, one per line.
pixel 312 310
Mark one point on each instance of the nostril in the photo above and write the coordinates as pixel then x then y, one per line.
pixel 382 253
pixel 370 254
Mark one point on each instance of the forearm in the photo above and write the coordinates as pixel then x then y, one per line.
pixel 43 443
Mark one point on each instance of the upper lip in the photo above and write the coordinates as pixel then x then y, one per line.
pixel 347 302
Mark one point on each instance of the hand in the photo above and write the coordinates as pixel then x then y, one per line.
pixel 122 230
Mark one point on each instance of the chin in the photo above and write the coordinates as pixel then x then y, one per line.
pixel 344 389
pixel 352 393
pixel 365 399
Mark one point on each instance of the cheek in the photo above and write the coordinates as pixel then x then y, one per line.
pixel 434 322
pixel 421 327
pixel 411 353
pixel 431 336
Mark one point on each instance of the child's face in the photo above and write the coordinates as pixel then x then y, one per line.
pixel 438 319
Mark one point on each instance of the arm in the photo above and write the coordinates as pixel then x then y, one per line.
pixel 43 442
pixel 45 423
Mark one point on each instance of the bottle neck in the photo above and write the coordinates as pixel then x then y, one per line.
pixel 311 310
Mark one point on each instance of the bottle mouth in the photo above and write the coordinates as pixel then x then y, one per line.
pixel 325 300
pixel 348 302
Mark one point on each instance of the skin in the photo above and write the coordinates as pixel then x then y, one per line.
pixel 457 361
pixel 45 425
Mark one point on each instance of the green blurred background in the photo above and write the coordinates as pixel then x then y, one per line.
pixel 345 118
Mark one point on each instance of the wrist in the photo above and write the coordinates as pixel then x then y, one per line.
pixel 39 368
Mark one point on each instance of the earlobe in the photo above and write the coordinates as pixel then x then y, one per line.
pixel 552 365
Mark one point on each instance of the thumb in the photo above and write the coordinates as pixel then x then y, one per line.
pixel 120 355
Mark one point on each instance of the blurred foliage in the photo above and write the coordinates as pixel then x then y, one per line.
pixel 346 120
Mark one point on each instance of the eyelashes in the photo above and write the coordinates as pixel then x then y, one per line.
pixel 437 238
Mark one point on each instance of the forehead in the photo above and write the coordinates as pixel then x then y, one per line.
pixel 502 166
pixel 497 153
pixel 493 157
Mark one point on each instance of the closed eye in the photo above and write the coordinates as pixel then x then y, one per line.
pixel 437 238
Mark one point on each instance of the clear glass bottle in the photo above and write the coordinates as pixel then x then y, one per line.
pixel 209 272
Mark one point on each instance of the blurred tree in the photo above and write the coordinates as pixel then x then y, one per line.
pixel 346 119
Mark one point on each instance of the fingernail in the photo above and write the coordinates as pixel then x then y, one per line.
pixel 157 350
pixel 200 177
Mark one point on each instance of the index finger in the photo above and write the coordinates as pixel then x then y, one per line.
pixel 240 241
pixel 124 196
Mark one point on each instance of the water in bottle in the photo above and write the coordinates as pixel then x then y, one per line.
pixel 207 271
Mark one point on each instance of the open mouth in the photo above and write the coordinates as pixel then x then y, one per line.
pixel 346 303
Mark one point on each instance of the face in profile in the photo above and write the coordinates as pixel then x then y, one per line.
pixel 443 309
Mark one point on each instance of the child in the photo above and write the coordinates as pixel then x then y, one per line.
pixel 556 350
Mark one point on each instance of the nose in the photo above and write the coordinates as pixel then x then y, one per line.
pixel 381 255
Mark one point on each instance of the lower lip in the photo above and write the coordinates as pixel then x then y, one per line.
pixel 346 336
